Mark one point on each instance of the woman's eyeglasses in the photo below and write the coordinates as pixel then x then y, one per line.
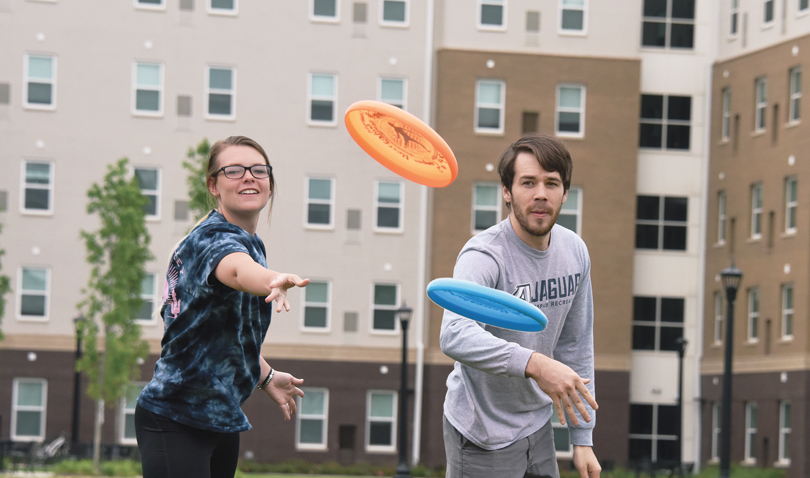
pixel 259 171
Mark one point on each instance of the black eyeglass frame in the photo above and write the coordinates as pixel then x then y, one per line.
pixel 269 169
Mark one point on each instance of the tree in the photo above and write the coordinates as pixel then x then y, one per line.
pixel 200 200
pixel 117 252
pixel 4 289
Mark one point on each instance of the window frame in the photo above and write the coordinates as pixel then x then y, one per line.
pixel 668 21
pixel 785 430
pixel 28 79
pixel 15 407
pixel 803 7
pixel 25 186
pixel 19 292
pixel 725 125
pixel 716 431
pixel 326 305
pixel 501 106
pixel 141 6
pixel 151 192
pixel 665 122
pixel 750 430
pixel 404 82
pixel 559 109
pixel 369 448
pixel 400 206
pixel 330 202
pixel 555 424
pixel 795 95
pixel 756 211
pixel 374 307
pixel 562 8
pixel 753 315
pixel 122 413
pixel 334 99
pixel 654 437
pixel 497 208
pixel 578 212
pixel 136 87
pixel 490 27
pixel 395 24
pixel 760 104
pixel 209 8
pixel 322 18
pixel 766 23
pixel 218 91
pixel 734 17
pixel 788 311
pixel 658 323
pixel 661 223
pixel 301 415
pixel 153 298
pixel 722 215
pixel 719 318
pixel 791 204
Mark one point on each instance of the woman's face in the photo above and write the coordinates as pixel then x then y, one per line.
pixel 246 195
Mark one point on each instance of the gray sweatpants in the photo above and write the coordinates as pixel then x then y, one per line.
pixel 530 457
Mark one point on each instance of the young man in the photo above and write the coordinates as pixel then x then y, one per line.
pixel 505 385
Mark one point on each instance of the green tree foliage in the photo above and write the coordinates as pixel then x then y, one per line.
pixel 200 200
pixel 5 287
pixel 117 252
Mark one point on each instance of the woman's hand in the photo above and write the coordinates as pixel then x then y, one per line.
pixel 278 289
pixel 283 389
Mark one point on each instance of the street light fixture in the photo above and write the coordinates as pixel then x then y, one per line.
pixel 731 278
pixel 403 471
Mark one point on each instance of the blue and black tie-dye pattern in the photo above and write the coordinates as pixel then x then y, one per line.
pixel 209 363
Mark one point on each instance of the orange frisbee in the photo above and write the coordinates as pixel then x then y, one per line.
pixel 402 143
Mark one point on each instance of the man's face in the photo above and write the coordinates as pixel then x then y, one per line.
pixel 537 197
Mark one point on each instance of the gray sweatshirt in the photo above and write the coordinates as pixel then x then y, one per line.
pixel 489 399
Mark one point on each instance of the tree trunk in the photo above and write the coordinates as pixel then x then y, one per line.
pixel 97 435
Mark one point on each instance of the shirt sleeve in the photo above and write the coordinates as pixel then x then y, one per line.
pixel 213 245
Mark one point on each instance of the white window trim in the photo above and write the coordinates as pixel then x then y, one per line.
pixel 222 11
pixel 122 414
pixel 156 192
pixel 718 318
pixel 725 127
pixel 152 320
pixel 311 97
pixel 404 90
pixel 140 6
pixel 555 423
pixel 783 432
pixel 388 23
pixel 327 305
pixel 760 107
pixel 753 315
pixel 160 89
pixel 208 90
pixel 491 28
pixel 374 307
pixel 791 204
pixel 400 205
pixel 24 186
pixel 716 429
pixel 578 211
pixel 583 8
pixel 788 311
pixel 581 110
pixel 27 79
pixel 795 97
pixel 501 106
pixel 756 211
pixel 722 215
pixel 323 19
pixel 325 418
pixel 750 433
pixel 498 208
pixel 46 293
pixel 765 23
pixel 379 448
pixel 330 202
pixel 43 409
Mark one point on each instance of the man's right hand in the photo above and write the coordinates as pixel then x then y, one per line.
pixel 565 387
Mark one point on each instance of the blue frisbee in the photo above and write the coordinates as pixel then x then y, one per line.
pixel 484 304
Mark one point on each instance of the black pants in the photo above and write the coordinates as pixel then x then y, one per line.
pixel 173 450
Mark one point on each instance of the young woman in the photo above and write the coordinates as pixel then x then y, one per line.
pixel 216 309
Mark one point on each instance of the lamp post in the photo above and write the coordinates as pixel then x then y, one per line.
pixel 77 385
pixel 403 471
pixel 731 277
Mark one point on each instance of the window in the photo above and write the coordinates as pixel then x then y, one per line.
pixel 32 295
pixel 562 437
pixel 784 432
pixel 148 89
pixel 571 212
pixel 665 122
pixel 151 4
pixel 668 23
pixel 795 113
pixel 750 432
pixel 149 297
pixel 657 323
pixel 221 93
pixel 320 201
pixel 570 110
pixel 393 91
pixel 381 421
pixel 40 82
pixel 791 204
pixel 756 211
pixel 126 428
pixel 787 312
pixel 804 5
pixel 325 10
pixel 767 12
pixel 725 128
pixel 149 181
pixel 224 7
pixel 316 306
pixel 715 454
pixel 721 217
pixel 654 432
pixel 311 419
pixel 492 14
pixel 753 315
pixel 37 190
pixel 388 206
pixel 573 16
pixel 489 106
pixel 322 99
pixel 29 402
pixel 761 101
pixel 486 206
pixel 718 318
pixel 386 298
pixel 734 18
pixel 394 13
pixel 661 224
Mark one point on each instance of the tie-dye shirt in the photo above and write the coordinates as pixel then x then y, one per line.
pixel 209 362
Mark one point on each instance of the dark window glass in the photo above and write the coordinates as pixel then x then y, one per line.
pixel 667 450
pixel 668 419
pixel 318 214
pixel 384 319
pixel 646 236
pixel 672 310
pixel 683 9
pixel 315 317
pixel 146 100
pixel 675 238
pixel 32 305
pixel 669 338
pixel 492 15
pixel 39 93
pixel 677 136
pixel 647 207
pixel 643 337
pixel 654 34
pixel 652 106
pixel 640 449
pixel 489 118
pixel 219 104
pixel 679 108
pixel 650 135
pixel 394 11
pixel 36 199
pixel 322 110
pixel 644 309
pixel 324 8
pixel 388 217
pixel 675 208
pixel 641 419
pixel 379 433
pixel 486 219
pixel 655 8
pixel 682 35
